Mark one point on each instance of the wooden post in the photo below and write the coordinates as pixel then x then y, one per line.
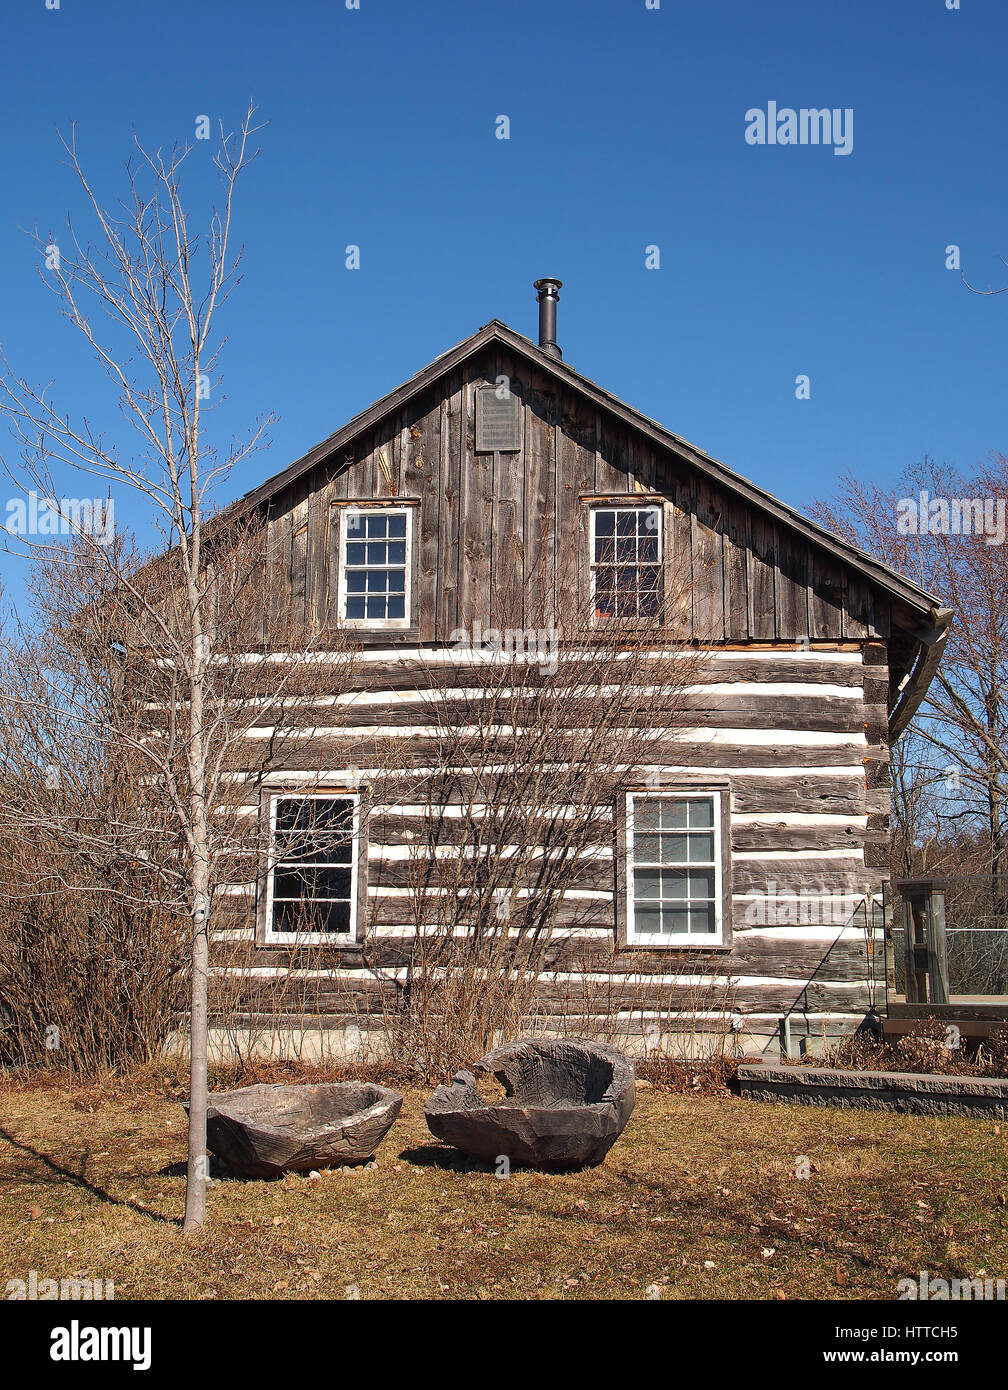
pixel 938 986
pixel 911 925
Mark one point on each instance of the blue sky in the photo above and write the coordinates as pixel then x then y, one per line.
pixel 627 130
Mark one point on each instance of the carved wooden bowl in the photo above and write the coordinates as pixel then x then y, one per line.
pixel 565 1103
pixel 262 1131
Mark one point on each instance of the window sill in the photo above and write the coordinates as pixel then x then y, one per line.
pixel 690 947
pixel 377 624
pixel 333 940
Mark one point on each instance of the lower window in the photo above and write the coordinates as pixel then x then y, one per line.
pixel 311 885
pixel 674 874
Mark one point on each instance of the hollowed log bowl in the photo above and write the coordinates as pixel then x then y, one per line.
pixel 566 1102
pixel 263 1131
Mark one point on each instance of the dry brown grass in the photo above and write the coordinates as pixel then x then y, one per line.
pixel 698 1198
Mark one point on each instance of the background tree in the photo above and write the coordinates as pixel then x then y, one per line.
pixel 956 749
pixel 170 631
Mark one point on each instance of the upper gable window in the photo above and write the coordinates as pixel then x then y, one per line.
pixel 626 561
pixel 375 562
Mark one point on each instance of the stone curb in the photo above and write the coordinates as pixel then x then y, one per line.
pixel 908 1092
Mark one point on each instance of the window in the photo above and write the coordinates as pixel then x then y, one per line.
pixel 311 888
pixel 626 561
pixel 674 872
pixel 375 566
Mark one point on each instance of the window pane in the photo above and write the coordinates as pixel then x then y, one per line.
pixel 675 919
pixel 701 847
pixel 626 523
pixel 605 597
pixel 674 883
pixel 605 523
pixel 701 812
pixel 314 813
pixel 701 883
pixel 673 849
pixel 397 524
pixel 355 552
pixel 647 883
pixel 645 815
pixel 647 849
pixel 376 525
pixel 376 606
pixel 355 607
pixel 673 814
pixel 303 884
pixel 295 847
pixel 397 606
pixel 355 581
pixel 310 917
pixel 647 920
pixel 397 552
pixel 702 919
pixel 286 917
pixel 313 830
pixel 331 917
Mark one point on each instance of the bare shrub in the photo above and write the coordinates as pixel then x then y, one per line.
pixel 925 1049
pixel 529 740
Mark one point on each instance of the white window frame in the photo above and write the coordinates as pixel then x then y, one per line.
pixel 376 624
pixel 626 505
pixel 309 937
pixel 695 940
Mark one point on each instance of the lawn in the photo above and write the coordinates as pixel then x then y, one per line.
pixel 699 1199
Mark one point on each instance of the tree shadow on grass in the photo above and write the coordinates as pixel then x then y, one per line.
pixel 79 1180
pixel 219 1172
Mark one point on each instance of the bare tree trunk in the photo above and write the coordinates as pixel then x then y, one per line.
pixel 196 1168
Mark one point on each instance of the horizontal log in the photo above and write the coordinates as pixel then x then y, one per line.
pixel 762 706
pixel 380 667
pixel 321 757
pixel 361 997
pixel 582 961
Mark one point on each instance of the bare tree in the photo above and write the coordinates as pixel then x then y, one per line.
pixel 961 731
pixel 193 636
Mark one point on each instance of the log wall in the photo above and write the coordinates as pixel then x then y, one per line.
pixel 799 735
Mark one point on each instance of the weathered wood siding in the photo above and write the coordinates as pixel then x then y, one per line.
pixel 501 524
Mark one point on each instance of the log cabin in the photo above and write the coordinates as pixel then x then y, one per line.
pixel 724 860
